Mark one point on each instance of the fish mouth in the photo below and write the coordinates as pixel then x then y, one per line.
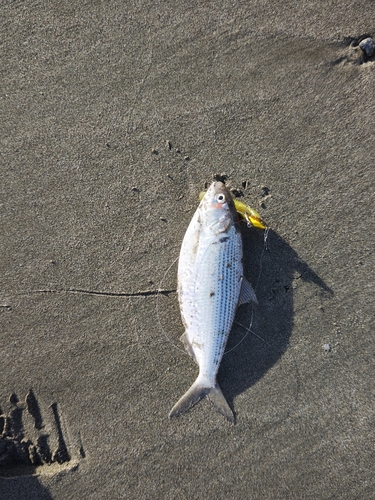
pixel 247 213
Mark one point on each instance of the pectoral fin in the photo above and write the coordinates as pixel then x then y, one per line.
pixel 247 293
pixel 185 340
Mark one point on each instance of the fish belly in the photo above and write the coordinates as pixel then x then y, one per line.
pixel 209 275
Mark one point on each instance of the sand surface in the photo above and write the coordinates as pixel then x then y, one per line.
pixel 114 115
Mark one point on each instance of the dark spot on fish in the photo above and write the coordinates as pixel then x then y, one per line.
pixel 212 294
pixel 229 265
pixel 225 238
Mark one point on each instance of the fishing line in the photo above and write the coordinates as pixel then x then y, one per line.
pixel 157 306
pixel 253 333
pixel 249 330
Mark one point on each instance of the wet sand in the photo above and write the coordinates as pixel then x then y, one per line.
pixel 114 116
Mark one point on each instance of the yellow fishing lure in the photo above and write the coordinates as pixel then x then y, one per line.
pixel 250 215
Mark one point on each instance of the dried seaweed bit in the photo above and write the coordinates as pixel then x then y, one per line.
pixel 238 193
pixel 221 177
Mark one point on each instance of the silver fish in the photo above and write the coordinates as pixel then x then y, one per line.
pixel 211 286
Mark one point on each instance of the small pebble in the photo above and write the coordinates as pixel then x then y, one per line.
pixel 327 347
pixel 368 46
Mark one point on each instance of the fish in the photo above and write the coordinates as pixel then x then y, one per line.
pixel 211 285
pixel 249 214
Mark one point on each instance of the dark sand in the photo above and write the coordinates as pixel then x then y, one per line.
pixel 94 200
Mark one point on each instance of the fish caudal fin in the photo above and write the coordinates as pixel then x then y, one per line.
pixel 218 399
pixel 197 392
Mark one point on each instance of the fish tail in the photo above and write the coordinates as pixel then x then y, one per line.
pixel 218 399
pixel 197 392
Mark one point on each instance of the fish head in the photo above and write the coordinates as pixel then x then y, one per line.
pixel 217 210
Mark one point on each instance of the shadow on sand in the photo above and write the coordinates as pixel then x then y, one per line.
pixel 25 487
pixel 281 268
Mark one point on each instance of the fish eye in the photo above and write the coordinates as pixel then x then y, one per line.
pixel 220 198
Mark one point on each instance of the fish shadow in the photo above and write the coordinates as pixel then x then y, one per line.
pixel 277 269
